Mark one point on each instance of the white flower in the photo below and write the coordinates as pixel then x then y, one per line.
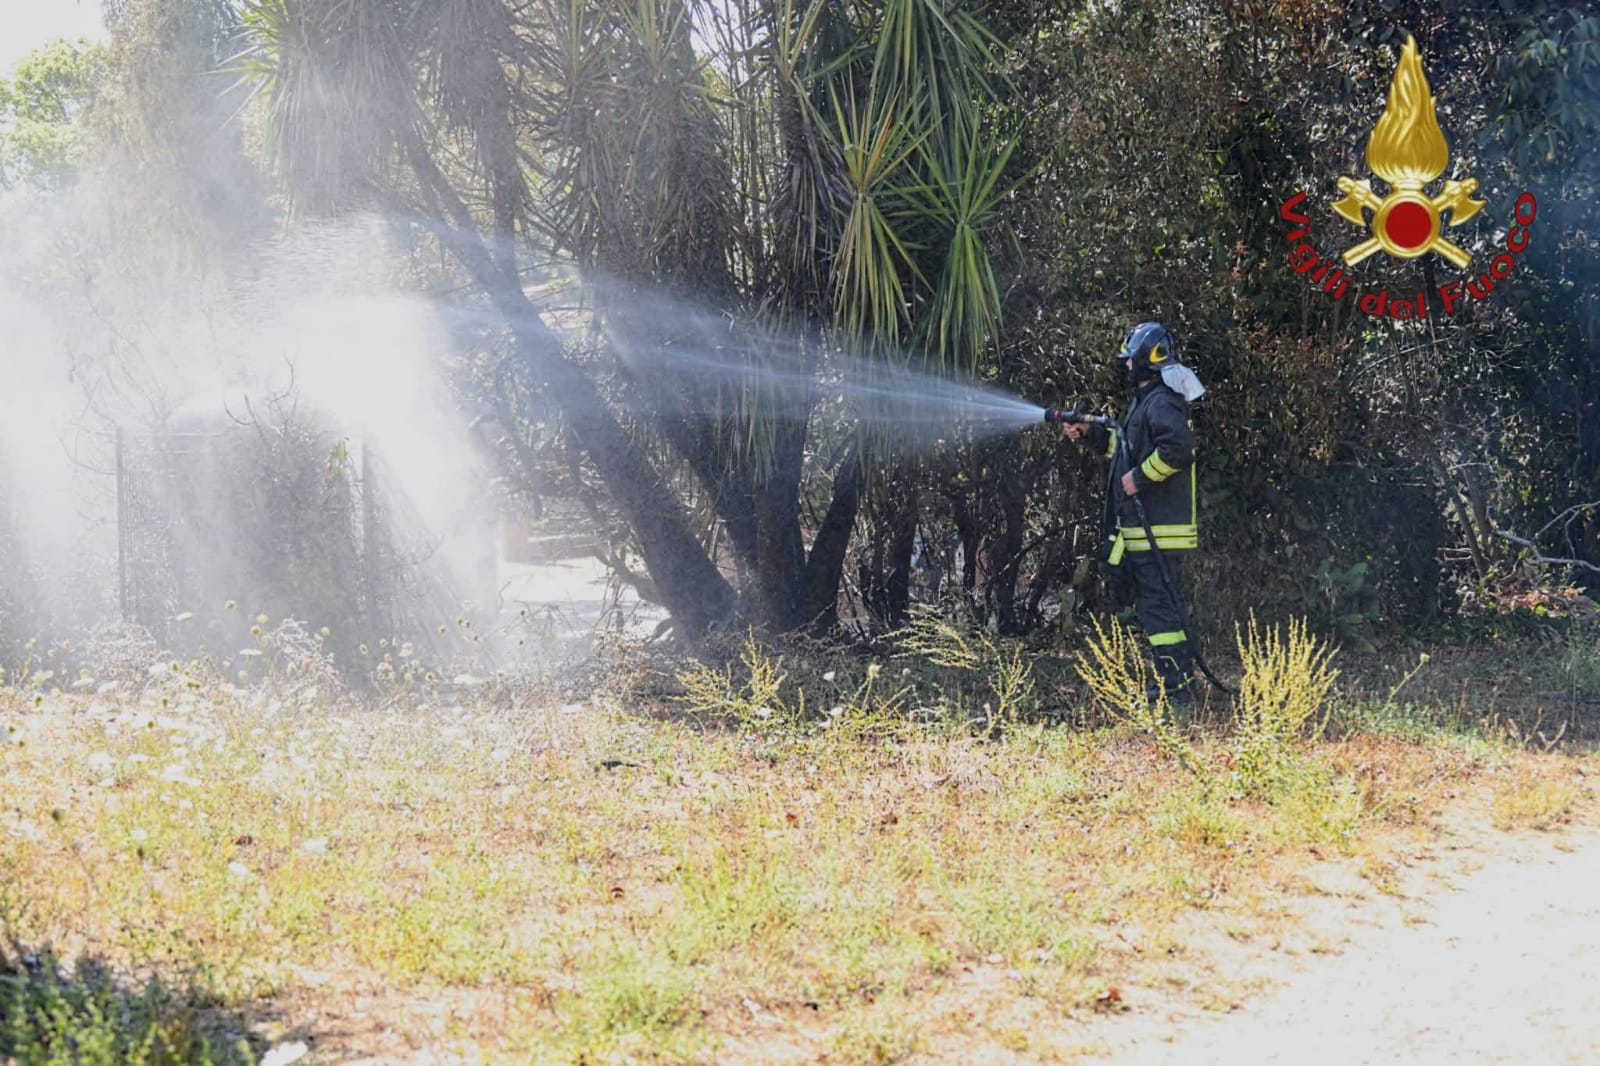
pixel 873 670
pixel 238 869
pixel 101 762
pixel 829 676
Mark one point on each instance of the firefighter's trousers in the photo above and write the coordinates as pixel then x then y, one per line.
pixel 1162 618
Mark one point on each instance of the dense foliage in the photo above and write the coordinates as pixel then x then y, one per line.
pixel 989 190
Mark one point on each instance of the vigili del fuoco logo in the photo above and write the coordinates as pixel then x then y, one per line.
pixel 1408 151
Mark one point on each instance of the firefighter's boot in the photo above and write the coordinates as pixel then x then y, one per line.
pixel 1175 667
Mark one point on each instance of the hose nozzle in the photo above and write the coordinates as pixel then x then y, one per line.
pixel 1056 414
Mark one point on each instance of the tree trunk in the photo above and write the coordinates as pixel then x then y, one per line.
pixel 691 586
pixel 897 583
pixel 971 543
pixel 732 495
pixel 825 567
pixel 781 558
pixel 1008 553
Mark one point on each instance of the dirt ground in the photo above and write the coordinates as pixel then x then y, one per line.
pixel 1476 947
pixel 1486 949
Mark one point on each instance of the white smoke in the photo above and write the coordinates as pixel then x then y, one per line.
pixel 97 335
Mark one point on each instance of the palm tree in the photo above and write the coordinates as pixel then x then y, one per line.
pixel 723 173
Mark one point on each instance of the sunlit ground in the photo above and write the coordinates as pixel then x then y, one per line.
pixel 486 874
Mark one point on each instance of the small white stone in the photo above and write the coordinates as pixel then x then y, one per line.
pixel 284 1054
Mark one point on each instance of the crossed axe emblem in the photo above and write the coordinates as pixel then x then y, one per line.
pixel 1408 223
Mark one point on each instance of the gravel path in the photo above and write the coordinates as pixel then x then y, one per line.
pixel 1505 968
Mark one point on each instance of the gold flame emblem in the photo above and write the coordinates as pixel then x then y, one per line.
pixel 1407 149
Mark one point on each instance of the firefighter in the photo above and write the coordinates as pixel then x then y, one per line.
pixel 1161 447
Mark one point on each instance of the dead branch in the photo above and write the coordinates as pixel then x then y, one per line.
pixel 1540 557
pixel 1567 517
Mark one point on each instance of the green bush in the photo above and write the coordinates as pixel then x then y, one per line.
pixel 1580 659
pixel 1118 674
pixel 1003 668
pixel 1283 692
pixel 52 1016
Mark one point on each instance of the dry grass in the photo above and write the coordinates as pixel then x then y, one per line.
pixel 1537 796
pixel 576 884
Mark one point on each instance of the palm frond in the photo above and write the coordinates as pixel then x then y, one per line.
pixel 337 77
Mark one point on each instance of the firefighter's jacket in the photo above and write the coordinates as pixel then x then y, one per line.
pixel 1161 444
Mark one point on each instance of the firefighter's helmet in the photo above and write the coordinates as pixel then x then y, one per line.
pixel 1150 347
